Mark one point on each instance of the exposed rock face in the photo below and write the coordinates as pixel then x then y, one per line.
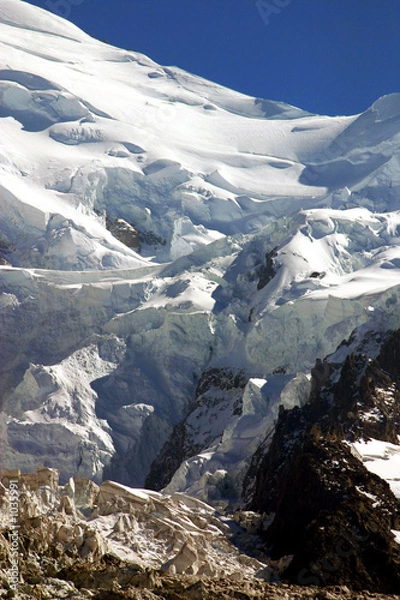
pixel 5 249
pixel 124 232
pixel 174 451
pixel 331 515
pixel 267 271
pixel 218 391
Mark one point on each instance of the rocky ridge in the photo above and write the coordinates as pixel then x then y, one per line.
pixel 335 520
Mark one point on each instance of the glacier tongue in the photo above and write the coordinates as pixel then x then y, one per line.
pixel 157 228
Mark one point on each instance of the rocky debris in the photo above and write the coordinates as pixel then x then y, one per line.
pixel 82 524
pixel 134 544
pixel 177 533
pixel 331 518
pixel 108 581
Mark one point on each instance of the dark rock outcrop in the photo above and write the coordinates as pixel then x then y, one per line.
pixel 330 515
pixel 124 232
pixel 267 271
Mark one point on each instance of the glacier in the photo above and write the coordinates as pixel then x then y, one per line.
pixel 264 235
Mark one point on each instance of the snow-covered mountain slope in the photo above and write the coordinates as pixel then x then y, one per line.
pixel 156 228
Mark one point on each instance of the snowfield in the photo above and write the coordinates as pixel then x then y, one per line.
pixel 261 237
pixel 383 459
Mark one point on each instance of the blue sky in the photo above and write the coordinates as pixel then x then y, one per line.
pixel 326 56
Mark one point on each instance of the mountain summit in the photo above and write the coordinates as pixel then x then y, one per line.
pixel 177 262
